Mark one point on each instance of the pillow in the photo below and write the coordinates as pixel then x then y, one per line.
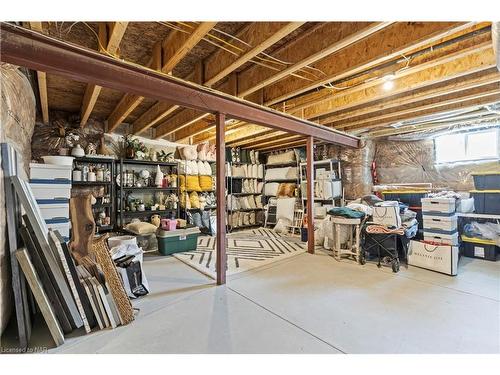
pixel 201 167
pixel 192 183
pixel 238 171
pixel 228 170
pixel 207 168
pixel 182 182
pixel 271 189
pixel 252 218
pixel 252 157
pixel 260 185
pixel 292 173
pixel 140 227
pixel 192 167
pixel 258 201
pixel 251 201
pixel 286 190
pixel 246 218
pixel 211 156
pixel 260 171
pixel 246 186
pixel 277 173
pixel 281 158
pixel 205 183
pixel 202 151
pixel 194 199
pixel 254 186
pixel 188 152
pixel 257 157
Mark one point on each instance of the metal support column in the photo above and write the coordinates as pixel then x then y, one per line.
pixel 310 193
pixel 221 198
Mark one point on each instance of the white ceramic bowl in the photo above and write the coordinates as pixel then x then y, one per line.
pixel 58 160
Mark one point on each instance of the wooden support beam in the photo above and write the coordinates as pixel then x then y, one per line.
pixel 109 41
pixel 37 51
pixel 399 39
pixel 310 194
pixel 351 39
pixel 276 138
pixel 173 49
pixel 42 82
pixel 221 261
pixel 257 136
pixel 174 53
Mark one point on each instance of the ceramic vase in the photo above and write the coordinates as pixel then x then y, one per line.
pixel 158 177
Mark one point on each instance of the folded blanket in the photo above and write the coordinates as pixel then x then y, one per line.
pixel 346 212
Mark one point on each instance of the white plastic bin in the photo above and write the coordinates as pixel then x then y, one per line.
pixel 50 172
pixel 51 191
pixel 62 228
pixel 446 223
pixel 54 212
pixel 442 205
pixel 446 239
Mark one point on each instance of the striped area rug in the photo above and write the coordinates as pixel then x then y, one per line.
pixel 245 251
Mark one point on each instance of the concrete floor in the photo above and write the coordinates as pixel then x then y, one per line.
pixel 309 304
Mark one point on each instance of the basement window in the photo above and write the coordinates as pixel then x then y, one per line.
pixel 465 147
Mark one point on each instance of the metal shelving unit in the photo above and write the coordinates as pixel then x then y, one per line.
pixel 331 166
pixel 109 186
pixel 122 191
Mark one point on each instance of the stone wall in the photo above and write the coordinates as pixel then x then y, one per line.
pixel 17 120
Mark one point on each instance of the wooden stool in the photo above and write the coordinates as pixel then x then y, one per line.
pixel 352 247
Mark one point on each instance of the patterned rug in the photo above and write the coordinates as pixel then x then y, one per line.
pixel 245 251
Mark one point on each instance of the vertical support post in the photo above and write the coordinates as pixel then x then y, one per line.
pixel 220 120
pixel 310 194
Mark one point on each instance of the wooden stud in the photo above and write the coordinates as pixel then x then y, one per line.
pixel 221 198
pixel 42 82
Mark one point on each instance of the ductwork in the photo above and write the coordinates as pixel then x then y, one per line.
pixel 495 36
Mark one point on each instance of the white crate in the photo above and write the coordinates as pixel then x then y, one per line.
pixel 51 191
pixel 54 211
pixel 447 239
pixel 63 229
pixel 447 223
pixel 443 205
pixel 50 172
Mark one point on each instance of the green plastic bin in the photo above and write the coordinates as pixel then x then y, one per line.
pixel 177 241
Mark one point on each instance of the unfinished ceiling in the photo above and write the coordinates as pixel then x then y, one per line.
pixel 368 79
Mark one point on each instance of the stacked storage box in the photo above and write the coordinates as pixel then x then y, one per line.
pixel 487 193
pixel 51 186
pixel 440 220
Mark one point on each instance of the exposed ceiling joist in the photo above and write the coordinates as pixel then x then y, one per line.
pixel 398 40
pixel 42 82
pixel 410 113
pixel 110 36
pixel 260 35
pixel 174 48
pixel 343 43
pixel 37 51
pixel 455 65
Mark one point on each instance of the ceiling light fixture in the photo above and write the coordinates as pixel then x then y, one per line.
pixel 388 81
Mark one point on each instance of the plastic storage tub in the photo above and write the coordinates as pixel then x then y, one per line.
pixel 440 205
pixel 50 172
pixel 63 229
pixel 412 197
pixel 55 212
pixel 479 248
pixel 486 201
pixel 487 180
pixel 444 223
pixel 46 192
pixel 177 241
pixel 442 238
